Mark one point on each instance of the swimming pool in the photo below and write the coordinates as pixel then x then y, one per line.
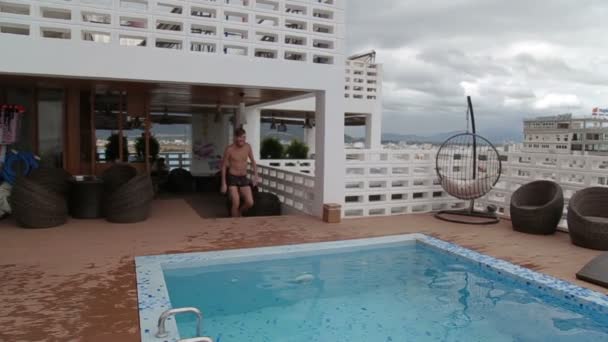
pixel 398 288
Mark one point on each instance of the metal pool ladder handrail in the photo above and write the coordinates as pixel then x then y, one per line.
pixel 162 331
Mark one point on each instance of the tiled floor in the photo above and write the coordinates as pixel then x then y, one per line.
pixel 77 282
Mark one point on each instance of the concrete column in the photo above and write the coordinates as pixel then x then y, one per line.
pixel 373 131
pixel 310 139
pixel 240 117
pixel 374 121
pixel 253 127
pixel 330 159
pixel 228 131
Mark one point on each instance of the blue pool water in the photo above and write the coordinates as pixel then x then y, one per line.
pixel 406 293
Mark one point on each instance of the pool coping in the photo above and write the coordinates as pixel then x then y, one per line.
pixel 153 296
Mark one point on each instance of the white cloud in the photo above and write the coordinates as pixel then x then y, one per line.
pixel 470 88
pixel 558 101
pixel 517 58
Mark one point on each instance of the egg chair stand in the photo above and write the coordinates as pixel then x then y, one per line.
pixel 468 166
pixel 468 216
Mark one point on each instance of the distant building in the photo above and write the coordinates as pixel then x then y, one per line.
pixel 565 134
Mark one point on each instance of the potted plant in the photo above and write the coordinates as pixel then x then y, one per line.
pixel 271 149
pixel 297 150
pixel 112 148
pixel 140 147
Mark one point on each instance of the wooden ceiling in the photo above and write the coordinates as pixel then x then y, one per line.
pixel 177 98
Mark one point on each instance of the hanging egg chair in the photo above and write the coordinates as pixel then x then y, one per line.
pixel 468 167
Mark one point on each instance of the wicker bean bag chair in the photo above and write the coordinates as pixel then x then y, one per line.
pixel 180 180
pixel 130 202
pixel 264 204
pixel 55 179
pixel 537 207
pixel 588 218
pixel 117 175
pixel 37 206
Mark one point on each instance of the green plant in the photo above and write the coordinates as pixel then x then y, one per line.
pixel 112 147
pixel 297 150
pixel 140 147
pixel 271 149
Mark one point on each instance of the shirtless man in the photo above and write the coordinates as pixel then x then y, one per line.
pixel 234 174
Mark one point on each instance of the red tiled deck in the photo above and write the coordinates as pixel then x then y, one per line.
pixel 77 282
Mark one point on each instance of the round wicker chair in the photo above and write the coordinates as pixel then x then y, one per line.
pixel 537 207
pixel 130 202
pixel 37 206
pixel 588 218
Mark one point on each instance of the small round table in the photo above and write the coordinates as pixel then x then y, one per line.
pixel 86 197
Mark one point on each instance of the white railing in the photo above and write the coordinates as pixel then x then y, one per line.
pixel 175 160
pixel 306 166
pixel 572 172
pixel 294 189
pixel 393 182
pixel 396 182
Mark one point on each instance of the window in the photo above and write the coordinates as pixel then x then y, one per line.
pixel 168 44
pixel 202 47
pixel 295 56
pixel 323 14
pixel 294 9
pixel 19 29
pixel 133 22
pixel 267 5
pixel 14 8
pixel 234 33
pixel 96 18
pixel 50 127
pixel 169 8
pixel 323 60
pixel 295 25
pixel 323 44
pixel 236 17
pixel 204 30
pixel 132 41
pixel 265 53
pixel 168 26
pixel 97 37
pixel 235 50
pixel 322 28
pixel 56 13
pixel 295 40
pixel 266 21
pixel 141 5
pixel 267 37
pixel 203 12
pixel 57 33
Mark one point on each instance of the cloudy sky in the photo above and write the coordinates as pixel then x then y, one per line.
pixel 516 58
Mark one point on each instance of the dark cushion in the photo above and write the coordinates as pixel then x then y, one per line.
pixel 596 271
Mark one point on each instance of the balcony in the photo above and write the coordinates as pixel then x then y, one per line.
pixel 77 282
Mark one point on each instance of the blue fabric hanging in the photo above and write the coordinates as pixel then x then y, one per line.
pixel 27 159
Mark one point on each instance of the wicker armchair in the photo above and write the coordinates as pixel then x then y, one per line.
pixel 37 205
pixel 588 218
pixel 537 207
pixel 129 202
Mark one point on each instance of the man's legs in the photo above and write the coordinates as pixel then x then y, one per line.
pixel 247 198
pixel 235 200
